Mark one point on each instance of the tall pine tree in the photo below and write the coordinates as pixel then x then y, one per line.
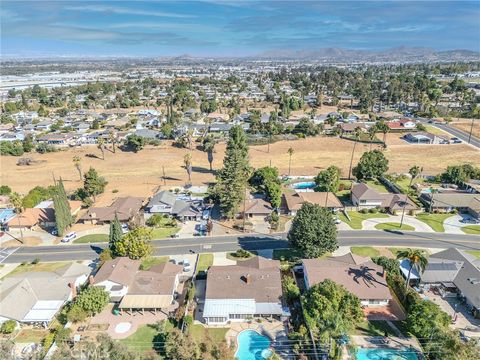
pixel 63 215
pixel 115 236
pixel 232 178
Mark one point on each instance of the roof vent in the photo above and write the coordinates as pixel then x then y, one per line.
pixel 248 279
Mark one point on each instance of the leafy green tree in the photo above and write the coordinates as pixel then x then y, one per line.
pixel 423 316
pixel 93 183
pixel 313 231
pixel 414 172
pixel 330 310
pixel 8 327
pixel 180 347
pixel 417 258
pixel 5 190
pixel 372 164
pixel 187 162
pixel 115 235
pixel 92 299
pixel 328 179
pixel 135 244
pixel 454 175
pixel 135 142
pixel 232 178
pixel 266 181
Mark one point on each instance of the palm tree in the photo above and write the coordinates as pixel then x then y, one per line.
pixel 383 127
pixel 417 260
pixel 77 162
pixel 290 152
pixel 372 132
pixel 17 203
pixel 187 160
pixel 101 146
pixel 113 139
pixel 356 136
pixel 209 147
pixel 414 172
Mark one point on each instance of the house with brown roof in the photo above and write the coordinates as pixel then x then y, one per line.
pixel 359 275
pixel 31 218
pixel 365 197
pixel 293 202
pixel 133 288
pixel 257 207
pixel 124 207
pixel 251 288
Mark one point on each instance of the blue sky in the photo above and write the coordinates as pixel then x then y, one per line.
pixel 232 28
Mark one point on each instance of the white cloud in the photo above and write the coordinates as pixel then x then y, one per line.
pixel 122 10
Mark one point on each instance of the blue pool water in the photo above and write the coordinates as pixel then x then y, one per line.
pixel 252 346
pixel 426 191
pixel 304 185
pixel 386 354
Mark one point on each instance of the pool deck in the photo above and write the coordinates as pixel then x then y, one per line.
pixel 377 342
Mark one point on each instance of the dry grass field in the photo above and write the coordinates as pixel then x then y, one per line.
pixel 140 174
pixel 466 125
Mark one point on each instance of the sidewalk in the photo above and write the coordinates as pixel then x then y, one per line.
pixel 370 224
pixel 7 269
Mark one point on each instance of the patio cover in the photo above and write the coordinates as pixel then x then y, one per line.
pixel 225 307
pixel 145 302
pixel 405 268
pixel 43 311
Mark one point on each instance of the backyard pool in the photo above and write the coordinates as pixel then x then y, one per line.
pixel 386 354
pixel 252 346
pixel 303 185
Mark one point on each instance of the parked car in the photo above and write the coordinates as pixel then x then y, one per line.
pixel 337 221
pixel 174 236
pixel 455 140
pixel 54 232
pixel 186 265
pixel 125 228
pixel 69 237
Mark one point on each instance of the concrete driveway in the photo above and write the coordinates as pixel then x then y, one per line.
pixel 187 228
pixel 453 224
pixel 407 220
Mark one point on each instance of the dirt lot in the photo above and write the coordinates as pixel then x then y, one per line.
pixel 141 174
pixel 466 124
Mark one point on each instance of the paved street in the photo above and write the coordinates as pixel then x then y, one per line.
pixel 462 135
pixel 251 242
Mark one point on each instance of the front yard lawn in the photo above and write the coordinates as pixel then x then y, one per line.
pixel 162 233
pixel 471 229
pixel 475 253
pixel 289 254
pixel 435 221
pixel 204 262
pixel 357 218
pixel 394 226
pixel 93 238
pixel 154 260
pixel 365 251
pixel 47 266
pixel 217 335
pixel 374 328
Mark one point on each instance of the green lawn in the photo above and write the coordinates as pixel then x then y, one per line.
pixel 374 328
pixel 287 254
pixel 31 336
pixel 94 238
pixel 471 229
pixel 394 226
pixel 154 260
pixel 475 253
pixel 404 183
pixel 144 339
pixel 377 185
pixel 435 221
pixel 47 266
pixel 204 262
pixel 365 251
pixel 357 218
pixel 162 233
pixel 216 334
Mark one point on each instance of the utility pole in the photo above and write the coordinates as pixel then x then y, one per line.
pixel 244 206
pixel 471 130
pixel 164 179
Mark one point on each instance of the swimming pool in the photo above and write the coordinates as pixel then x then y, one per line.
pixel 252 346
pixel 386 354
pixel 304 185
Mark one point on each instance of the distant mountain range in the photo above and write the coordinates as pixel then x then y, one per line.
pixel 402 53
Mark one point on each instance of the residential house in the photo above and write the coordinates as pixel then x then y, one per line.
pixel 135 289
pixel 32 218
pixel 125 208
pixel 425 138
pixel 236 293
pixel 401 125
pixel 257 208
pixel 447 201
pixel 359 275
pixel 293 202
pixel 348 128
pixel 36 297
pixel 58 139
pixel 363 196
pixel 165 202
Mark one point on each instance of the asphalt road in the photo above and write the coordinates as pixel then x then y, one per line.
pixel 462 135
pixel 66 252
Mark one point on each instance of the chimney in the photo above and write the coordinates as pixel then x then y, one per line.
pixel 74 289
pixel 91 280
pixel 248 279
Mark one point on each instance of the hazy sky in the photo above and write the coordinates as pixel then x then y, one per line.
pixel 232 28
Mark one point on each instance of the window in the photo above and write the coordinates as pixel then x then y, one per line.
pixel 238 316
